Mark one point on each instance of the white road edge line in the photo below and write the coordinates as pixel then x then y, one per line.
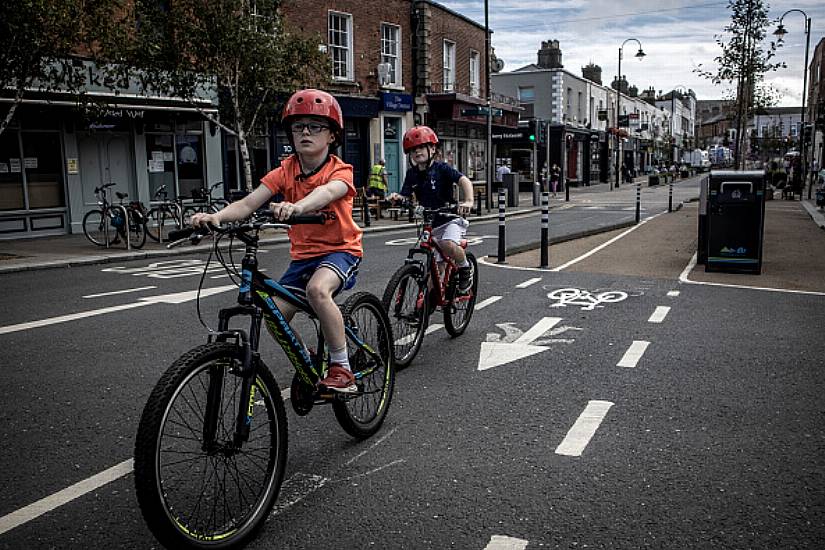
pixel 528 282
pixel 487 302
pixel 659 314
pixel 114 292
pixel 606 244
pixel 633 354
pixel 44 505
pixel 501 542
pixel 584 428
pixel 683 278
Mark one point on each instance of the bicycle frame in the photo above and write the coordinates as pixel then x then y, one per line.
pixel 255 300
pixel 428 246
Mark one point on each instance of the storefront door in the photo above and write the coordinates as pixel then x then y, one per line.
pixel 392 153
pixel 105 158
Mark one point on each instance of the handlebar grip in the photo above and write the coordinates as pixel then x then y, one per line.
pixel 179 234
pixel 307 219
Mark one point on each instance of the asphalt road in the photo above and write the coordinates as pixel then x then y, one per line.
pixel 707 436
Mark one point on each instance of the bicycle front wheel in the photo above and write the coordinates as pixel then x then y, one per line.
pixel 406 301
pixel 196 488
pixel 137 230
pixel 459 310
pixel 371 359
pixel 97 228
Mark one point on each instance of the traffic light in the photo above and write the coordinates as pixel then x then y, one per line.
pixel 531 130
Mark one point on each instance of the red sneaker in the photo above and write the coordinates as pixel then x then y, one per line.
pixel 339 379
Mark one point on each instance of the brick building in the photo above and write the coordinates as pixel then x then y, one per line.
pixel 816 104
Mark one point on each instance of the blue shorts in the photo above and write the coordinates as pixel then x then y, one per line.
pixel 299 272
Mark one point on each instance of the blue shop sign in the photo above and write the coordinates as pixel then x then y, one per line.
pixel 396 102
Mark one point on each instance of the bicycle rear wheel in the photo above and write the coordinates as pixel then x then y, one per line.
pixel 371 360
pixel 460 307
pixel 97 228
pixel 199 494
pixel 137 230
pixel 406 301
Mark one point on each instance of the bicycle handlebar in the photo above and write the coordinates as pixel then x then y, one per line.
pixel 195 234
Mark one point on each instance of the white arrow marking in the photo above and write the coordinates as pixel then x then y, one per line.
pixel 176 298
pixel 584 428
pixel 501 542
pixel 494 354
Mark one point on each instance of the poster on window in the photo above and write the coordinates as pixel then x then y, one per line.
pixel 187 149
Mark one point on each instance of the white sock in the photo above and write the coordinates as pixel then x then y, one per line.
pixel 340 356
pixel 465 263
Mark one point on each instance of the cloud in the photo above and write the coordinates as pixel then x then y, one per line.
pixel 676 35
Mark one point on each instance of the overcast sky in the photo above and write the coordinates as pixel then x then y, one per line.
pixel 676 35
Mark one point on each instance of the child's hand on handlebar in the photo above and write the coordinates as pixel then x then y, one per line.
pixel 464 208
pixel 284 210
pixel 202 219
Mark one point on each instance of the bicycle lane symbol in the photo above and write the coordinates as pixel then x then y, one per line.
pixel 409 241
pixel 588 301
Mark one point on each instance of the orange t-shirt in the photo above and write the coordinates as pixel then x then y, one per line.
pixel 341 234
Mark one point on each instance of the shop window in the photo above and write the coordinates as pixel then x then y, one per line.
pixel 391 53
pixel 43 163
pixel 11 172
pixel 189 149
pixel 160 155
pixel 340 45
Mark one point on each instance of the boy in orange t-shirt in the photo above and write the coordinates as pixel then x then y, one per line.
pixel 325 257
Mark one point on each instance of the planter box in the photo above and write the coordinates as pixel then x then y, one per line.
pixel 652 180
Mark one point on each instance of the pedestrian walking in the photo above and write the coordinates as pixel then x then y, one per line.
pixel 555 177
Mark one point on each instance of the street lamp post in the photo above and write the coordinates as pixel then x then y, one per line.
pixel 640 54
pixel 781 32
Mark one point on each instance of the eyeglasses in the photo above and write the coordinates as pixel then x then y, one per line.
pixel 313 127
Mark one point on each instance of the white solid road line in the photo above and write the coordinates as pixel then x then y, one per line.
pixel 584 428
pixel 44 505
pixel 683 278
pixel 633 354
pixel 528 282
pixel 114 292
pixel 659 314
pixel 501 542
pixel 605 244
pixel 489 301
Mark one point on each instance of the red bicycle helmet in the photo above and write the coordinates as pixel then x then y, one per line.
pixel 314 103
pixel 418 135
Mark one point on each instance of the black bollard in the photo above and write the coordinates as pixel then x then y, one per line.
pixel 478 203
pixel 545 226
pixel 670 197
pixel 567 191
pixel 638 201
pixel 501 240
pixel 366 211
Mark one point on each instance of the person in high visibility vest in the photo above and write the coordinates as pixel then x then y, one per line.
pixel 377 185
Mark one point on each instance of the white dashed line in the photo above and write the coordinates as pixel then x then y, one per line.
pixel 633 354
pixel 659 315
pixel 583 430
pixel 673 293
pixel 489 301
pixel 501 542
pixel 114 292
pixel 528 282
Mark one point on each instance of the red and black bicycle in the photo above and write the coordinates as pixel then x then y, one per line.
pixel 421 285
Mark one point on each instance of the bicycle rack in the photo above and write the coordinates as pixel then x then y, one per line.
pixel 125 220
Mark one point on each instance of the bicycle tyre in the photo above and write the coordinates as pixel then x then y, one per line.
pixel 409 323
pixel 160 221
pixel 361 415
pixel 137 230
pixel 96 228
pixel 459 311
pixel 208 510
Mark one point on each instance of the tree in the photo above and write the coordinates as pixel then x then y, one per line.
pixel 38 42
pixel 184 47
pixel 744 61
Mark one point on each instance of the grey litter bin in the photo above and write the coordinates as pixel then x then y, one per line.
pixel 510 183
pixel 735 224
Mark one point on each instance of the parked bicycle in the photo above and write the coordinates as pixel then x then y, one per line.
pixel 114 223
pixel 163 217
pixel 203 201
pixel 211 446
pixel 418 288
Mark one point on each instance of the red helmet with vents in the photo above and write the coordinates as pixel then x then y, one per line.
pixel 313 103
pixel 419 135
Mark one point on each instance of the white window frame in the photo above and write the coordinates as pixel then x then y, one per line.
pixel 448 64
pixel 475 73
pixel 346 49
pixel 395 78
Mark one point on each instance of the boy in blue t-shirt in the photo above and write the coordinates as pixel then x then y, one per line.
pixel 432 183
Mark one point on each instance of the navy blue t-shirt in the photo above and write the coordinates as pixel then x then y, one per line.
pixel 432 187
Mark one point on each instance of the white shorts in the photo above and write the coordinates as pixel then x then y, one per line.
pixel 454 230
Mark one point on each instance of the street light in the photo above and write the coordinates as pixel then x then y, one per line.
pixel 781 32
pixel 639 55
